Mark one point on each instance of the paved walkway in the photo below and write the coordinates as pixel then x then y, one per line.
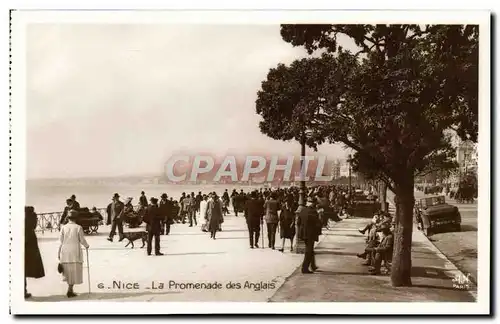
pixel 190 257
pixel 341 276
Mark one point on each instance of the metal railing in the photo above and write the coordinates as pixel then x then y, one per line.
pixel 50 221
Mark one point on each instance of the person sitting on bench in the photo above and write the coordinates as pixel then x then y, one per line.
pixel 383 252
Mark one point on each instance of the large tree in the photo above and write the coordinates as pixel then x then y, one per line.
pixel 407 85
pixel 291 104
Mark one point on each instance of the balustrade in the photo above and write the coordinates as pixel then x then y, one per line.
pixel 50 221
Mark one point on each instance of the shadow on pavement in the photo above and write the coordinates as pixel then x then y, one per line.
pixel 429 272
pixel 468 253
pixel 321 252
pixel 192 253
pixel 433 287
pixel 95 296
pixel 235 230
pixel 344 235
pixel 121 248
pixel 183 234
pixel 468 228
pixel 106 233
pixel 340 273
pixel 47 239
pixel 328 249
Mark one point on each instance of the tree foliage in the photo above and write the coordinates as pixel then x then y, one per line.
pixel 392 102
pixel 435 66
pixel 291 103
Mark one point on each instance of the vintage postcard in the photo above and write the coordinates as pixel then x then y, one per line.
pixel 250 162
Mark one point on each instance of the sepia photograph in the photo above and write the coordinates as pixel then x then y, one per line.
pixel 302 161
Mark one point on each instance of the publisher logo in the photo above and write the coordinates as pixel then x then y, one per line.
pixel 462 282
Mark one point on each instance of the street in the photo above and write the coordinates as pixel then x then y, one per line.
pixel 459 247
pixel 194 268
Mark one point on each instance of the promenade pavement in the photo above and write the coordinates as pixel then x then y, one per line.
pixel 190 257
pixel 342 278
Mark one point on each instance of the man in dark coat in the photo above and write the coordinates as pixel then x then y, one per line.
pixel 182 210
pixel 116 214
pixel 96 214
pixel 76 204
pixel 108 213
pixel 33 265
pixel 199 198
pixel 165 211
pixel 383 252
pixel 234 201
pixel 225 195
pixel 69 206
pixel 309 227
pixel 143 200
pixel 237 203
pixel 215 217
pixel 254 211
pixel 153 220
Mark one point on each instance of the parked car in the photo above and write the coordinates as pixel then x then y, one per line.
pixel 364 207
pixel 432 213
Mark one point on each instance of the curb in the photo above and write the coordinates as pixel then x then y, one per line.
pixel 451 268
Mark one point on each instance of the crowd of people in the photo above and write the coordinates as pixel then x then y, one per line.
pixel 273 208
pixel 276 208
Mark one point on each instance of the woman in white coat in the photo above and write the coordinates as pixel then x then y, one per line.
pixel 70 252
pixel 203 212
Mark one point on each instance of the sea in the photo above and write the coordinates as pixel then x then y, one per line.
pixel 49 195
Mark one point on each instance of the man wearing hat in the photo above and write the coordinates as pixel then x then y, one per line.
pixel 383 252
pixel 309 227
pixel 165 211
pixel 96 214
pixel 253 215
pixel 116 214
pixel 143 201
pixel 375 220
pixel 76 204
pixel 153 219
pixel 69 206
pixel 188 208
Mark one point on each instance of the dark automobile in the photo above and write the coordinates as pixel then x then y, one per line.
pixel 364 207
pixel 433 212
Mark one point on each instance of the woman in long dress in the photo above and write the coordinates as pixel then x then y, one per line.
pixel 287 223
pixel 70 252
pixel 33 265
pixel 204 213
pixel 215 215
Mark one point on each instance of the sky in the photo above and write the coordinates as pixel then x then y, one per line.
pixel 109 100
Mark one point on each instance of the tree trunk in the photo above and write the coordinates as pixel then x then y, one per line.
pixel 383 195
pixel 401 259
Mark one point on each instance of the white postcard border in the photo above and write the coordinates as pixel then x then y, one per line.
pixel 20 19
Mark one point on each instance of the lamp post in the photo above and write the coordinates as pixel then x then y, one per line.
pixel 349 161
pixel 300 245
